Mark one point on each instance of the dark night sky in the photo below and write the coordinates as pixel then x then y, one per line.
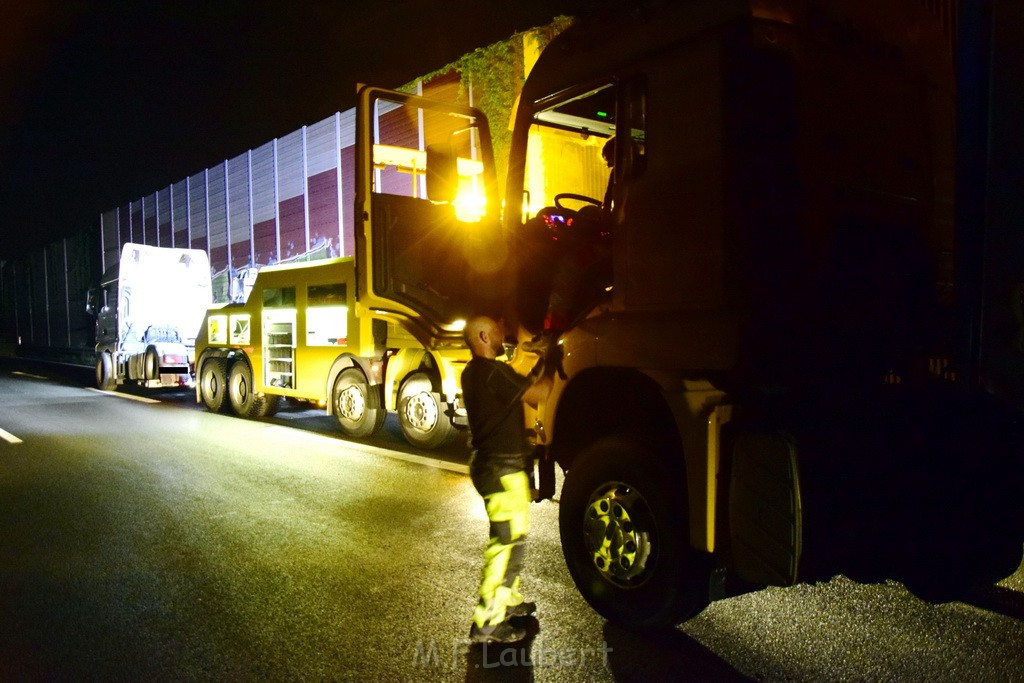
pixel 103 102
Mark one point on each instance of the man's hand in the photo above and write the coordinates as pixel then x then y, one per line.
pixel 537 392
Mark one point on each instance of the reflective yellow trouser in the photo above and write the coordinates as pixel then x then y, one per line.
pixel 506 495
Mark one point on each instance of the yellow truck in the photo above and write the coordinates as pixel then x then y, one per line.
pixel 380 330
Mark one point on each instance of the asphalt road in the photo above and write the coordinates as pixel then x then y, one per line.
pixel 149 539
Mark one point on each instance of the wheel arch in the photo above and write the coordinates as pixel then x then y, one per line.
pixel 342 363
pixel 229 355
pixel 639 409
pixel 407 362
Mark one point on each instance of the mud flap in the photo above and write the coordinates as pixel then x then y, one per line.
pixel 765 514
pixel 545 474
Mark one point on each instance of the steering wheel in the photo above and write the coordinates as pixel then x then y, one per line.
pixel 577 197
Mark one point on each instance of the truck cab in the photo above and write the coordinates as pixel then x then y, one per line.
pixel 148 308
pixel 768 242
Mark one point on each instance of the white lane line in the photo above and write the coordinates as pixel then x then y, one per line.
pixel 28 374
pixel 140 399
pixel 375 450
pixel 8 437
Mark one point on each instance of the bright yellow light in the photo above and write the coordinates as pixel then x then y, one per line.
pixel 458 325
pixel 470 203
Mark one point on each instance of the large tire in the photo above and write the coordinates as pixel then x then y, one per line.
pixel 244 399
pixel 624 530
pixel 359 414
pixel 105 379
pixel 271 403
pixel 151 364
pixel 213 385
pixel 421 414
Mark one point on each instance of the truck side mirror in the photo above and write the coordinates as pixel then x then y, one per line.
pixel 442 174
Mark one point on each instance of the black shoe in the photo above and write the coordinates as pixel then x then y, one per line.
pixel 498 633
pixel 523 609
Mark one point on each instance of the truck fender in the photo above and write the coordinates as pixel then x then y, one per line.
pixel 639 407
pixel 606 402
pixel 349 361
pixel 398 367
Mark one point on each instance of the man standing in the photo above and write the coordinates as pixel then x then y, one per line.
pixel 494 394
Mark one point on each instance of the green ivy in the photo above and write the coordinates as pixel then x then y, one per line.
pixel 496 76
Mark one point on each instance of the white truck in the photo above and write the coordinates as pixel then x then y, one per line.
pixel 148 309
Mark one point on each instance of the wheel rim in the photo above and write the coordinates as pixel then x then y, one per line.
pixel 212 384
pixel 351 403
pixel 241 389
pixel 618 534
pixel 420 412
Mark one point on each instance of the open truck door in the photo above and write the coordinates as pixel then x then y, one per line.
pixel 428 237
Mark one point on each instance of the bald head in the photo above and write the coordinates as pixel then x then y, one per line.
pixel 484 337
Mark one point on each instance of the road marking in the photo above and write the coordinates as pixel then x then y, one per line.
pixel 28 374
pixel 140 399
pixel 9 438
pixel 376 450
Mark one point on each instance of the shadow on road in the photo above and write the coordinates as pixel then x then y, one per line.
pixel 658 656
pixel 1005 601
pixel 926 488
pixel 668 655
pixel 514 662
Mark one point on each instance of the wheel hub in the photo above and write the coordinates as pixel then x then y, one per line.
pixel 421 412
pixel 617 536
pixel 242 388
pixel 351 403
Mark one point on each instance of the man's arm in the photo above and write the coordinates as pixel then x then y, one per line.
pixel 537 391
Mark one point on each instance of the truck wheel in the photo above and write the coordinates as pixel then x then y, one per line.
pixel 271 402
pixel 213 385
pixel 624 530
pixel 357 412
pixel 151 364
pixel 421 414
pixel 241 393
pixel 105 372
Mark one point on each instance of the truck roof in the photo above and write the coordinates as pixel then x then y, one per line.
pixel 615 39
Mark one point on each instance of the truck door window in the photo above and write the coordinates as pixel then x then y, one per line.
pixel 564 153
pixel 575 143
pixel 431 156
pixel 576 172
pixel 433 215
